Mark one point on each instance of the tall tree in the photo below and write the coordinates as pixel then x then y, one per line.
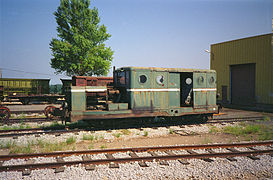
pixel 80 49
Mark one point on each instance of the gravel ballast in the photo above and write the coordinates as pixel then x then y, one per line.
pixel 220 168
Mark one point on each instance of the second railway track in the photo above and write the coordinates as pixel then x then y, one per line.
pixel 40 131
pixel 161 154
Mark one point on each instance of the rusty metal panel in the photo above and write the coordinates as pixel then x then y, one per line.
pixel 211 98
pixel 211 80
pixel 141 79
pixel 199 96
pixel 199 80
pixel 140 97
pixel 160 81
pixel 174 96
pixel 211 89
pixel 91 81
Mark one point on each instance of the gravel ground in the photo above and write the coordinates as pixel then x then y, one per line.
pixel 109 136
pixel 243 168
pixel 220 168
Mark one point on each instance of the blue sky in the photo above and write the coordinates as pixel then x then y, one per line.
pixel 150 33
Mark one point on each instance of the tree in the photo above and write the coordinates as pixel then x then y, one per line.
pixel 80 49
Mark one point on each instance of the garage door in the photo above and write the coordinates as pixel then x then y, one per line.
pixel 243 84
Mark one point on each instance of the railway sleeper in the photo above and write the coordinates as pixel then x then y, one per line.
pixel 140 163
pixel 250 157
pixel 204 159
pixel 228 158
pixel 161 162
pixel 112 164
pixel 182 161
pixel 123 160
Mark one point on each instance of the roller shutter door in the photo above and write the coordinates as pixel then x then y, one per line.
pixel 243 84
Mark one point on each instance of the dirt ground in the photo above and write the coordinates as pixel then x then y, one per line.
pixel 172 139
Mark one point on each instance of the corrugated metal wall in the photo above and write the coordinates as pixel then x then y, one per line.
pixel 256 50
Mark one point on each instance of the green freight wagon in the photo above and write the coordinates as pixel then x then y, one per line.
pixel 26 90
pixel 14 86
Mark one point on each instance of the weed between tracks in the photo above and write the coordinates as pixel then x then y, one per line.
pixel 259 130
pixel 21 126
pixel 145 133
pixel 88 137
pixel 24 116
pixel 39 146
pixel 71 140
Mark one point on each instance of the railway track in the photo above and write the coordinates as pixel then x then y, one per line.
pixel 236 119
pixel 35 131
pixel 161 154
pixel 40 131
pixel 24 120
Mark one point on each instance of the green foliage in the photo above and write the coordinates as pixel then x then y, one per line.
pixel 125 132
pixel 39 146
pixel 8 145
pixel 54 126
pixel 15 127
pixel 117 135
pixel 88 137
pixel 266 118
pixel 80 49
pixel 79 125
pixel 21 116
pixel 101 137
pixel 261 131
pixel 24 150
pixel 70 140
pixel 91 146
pixel 171 131
pixel 214 129
pixel 145 133
pixel 241 130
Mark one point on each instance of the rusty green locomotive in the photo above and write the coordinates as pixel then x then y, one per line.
pixel 145 92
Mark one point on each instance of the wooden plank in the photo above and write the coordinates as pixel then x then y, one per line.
pixel 112 164
pixel 228 158
pixel 182 161
pixel 204 159
pixel 250 157
pixel 140 163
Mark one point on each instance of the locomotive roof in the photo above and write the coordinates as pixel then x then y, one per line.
pixel 166 69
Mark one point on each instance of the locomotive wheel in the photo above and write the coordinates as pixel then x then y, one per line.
pixel 48 111
pixel 4 114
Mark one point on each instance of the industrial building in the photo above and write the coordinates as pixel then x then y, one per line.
pixel 245 71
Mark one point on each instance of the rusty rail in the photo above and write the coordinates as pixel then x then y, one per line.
pixel 235 119
pixel 138 149
pixel 132 159
pixel 41 132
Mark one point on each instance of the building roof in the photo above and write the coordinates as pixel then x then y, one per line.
pixel 243 38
